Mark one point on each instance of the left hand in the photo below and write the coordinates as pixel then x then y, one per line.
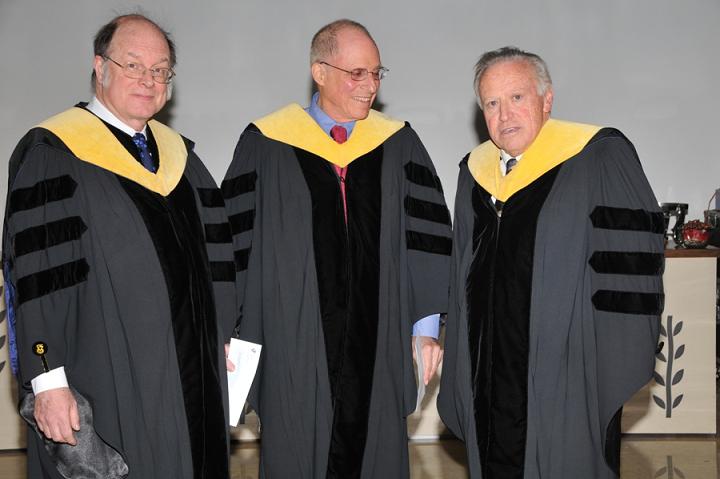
pixel 432 355
pixel 228 364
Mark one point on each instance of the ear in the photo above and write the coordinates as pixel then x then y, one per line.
pixel 318 73
pixel 548 100
pixel 98 67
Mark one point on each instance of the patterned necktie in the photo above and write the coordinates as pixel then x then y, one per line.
pixel 509 165
pixel 145 156
pixel 339 134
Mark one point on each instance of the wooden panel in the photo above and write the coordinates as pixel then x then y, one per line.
pixel 682 397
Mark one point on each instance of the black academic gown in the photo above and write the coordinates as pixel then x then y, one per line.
pixel 333 303
pixel 128 278
pixel 555 304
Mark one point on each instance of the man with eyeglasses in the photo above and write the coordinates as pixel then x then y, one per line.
pixel 118 257
pixel 342 240
pixel 556 290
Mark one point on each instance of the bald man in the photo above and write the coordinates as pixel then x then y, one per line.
pixel 342 239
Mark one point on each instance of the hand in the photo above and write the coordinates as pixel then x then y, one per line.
pixel 228 364
pixel 432 355
pixel 56 414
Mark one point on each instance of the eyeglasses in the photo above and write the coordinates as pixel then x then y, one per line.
pixel 359 74
pixel 137 71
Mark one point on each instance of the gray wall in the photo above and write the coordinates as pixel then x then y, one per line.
pixel 648 67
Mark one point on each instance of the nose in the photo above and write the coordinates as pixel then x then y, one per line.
pixel 147 79
pixel 372 83
pixel 504 112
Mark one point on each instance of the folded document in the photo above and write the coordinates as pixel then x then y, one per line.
pixel 245 356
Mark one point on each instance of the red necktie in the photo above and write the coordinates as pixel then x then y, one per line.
pixel 339 134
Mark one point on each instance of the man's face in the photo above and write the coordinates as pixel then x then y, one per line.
pixel 514 111
pixel 134 101
pixel 341 97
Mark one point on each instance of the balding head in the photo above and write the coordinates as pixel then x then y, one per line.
pixel 324 43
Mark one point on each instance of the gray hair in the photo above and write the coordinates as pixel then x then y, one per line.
pixel 509 53
pixel 104 36
pixel 324 42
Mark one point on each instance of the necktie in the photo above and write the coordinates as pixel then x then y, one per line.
pixel 145 156
pixel 339 134
pixel 509 165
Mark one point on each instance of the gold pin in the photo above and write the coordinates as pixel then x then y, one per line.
pixel 40 349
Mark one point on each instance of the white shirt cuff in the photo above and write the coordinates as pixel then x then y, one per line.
pixel 53 379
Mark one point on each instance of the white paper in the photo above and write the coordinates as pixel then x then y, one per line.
pixel 245 356
pixel 420 371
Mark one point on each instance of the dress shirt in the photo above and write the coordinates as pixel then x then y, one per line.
pixel 101 111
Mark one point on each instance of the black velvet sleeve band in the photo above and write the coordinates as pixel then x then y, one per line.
pixel 428 243
pixel 41 193
pixel 614 262
pixel 427 210
pixel 628 303
pixel 242 222
pixel 218 233
pixel 239 185
pixel 44 236
pixel 607 217
pixel 422 175
pixel 50 280
pixel 211 197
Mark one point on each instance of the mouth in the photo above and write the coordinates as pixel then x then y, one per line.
pixel 362 99
pixel 510 130
pixel 144 97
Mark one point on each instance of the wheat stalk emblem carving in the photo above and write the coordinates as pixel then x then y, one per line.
pixel 671 377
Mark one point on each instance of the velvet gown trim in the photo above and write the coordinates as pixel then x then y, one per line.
pixel 498 292
pixel 347 264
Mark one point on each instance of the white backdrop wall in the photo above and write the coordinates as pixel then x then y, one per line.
pixel 647 67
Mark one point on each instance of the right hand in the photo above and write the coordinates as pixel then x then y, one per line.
pixel 56 414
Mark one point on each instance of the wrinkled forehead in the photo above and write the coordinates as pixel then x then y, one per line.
pixel 508 74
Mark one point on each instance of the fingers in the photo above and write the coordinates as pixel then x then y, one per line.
pixel 74 417
pixel 432 354
pixel 430 357
pixel 228 364
pixel 57 415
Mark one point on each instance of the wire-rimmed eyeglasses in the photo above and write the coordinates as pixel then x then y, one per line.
pixel 359 74
pixel 136 71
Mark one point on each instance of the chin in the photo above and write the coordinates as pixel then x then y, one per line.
pixel 362 114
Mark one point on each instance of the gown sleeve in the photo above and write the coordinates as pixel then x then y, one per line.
pixel 428 235
pixel 43 256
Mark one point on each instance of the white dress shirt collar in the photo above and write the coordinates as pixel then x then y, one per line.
pixel 504 157
pixel 101 111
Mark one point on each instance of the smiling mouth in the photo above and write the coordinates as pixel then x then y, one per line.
pixel 362 99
